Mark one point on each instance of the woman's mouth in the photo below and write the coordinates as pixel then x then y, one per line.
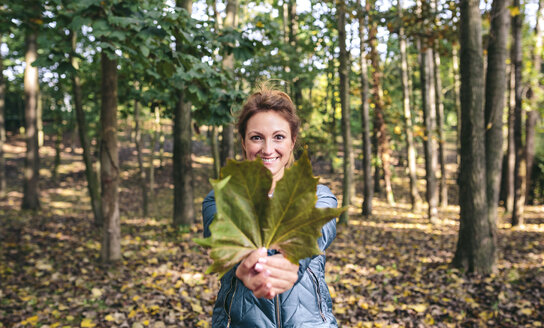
pixel 269 160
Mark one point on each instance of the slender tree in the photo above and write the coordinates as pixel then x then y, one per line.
pixel 32 158
pixel 138 141
pixel 92 179
pixel 380 127
pixel 227 141
pixel 415 199
pixel 3 184
pixel 476 244
pixel 429 116
pixel 494 101
pixel 109 162
pixel 520 165
pixel 368 188
pixel 184 212
pixel 346 115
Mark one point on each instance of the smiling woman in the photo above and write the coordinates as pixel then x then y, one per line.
pixel 265 289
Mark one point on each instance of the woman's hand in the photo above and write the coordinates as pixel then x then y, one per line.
pixel 267 276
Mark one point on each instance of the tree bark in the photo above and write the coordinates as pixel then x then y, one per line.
pixel 379 117
pixel 533 117
pixel 139 155
pixel 32 158
pixel 368 188
pixel 439 107
pixel 520 166
pixel 215 151
pixel 511 147
pixel 3 184
pixel 227 142
pixel 456 97
pixel 348 186
pixel 494 102
pixel 155 141
pixel 109 163
pixel 92 179
pixel 415 199
pixel 476 244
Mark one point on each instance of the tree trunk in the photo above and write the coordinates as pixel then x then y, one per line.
pixel 92 179
pixel 368 188
pixel 429 116
pixel 494 103
pixel 3 184
pixel 415 199
pixel 511 147
pixel 332 124
pixel 32 158
pixel 456 98
pixel 154 142
pixel 227 142
pixel 519 167
pixel 348 186
pixel 476 244
pixel 295 59
pixel 533 117
pixel 379 117
pixel 139 155
pixel 439 107
pixel 109 163
pixel 215 151
pixel 58 143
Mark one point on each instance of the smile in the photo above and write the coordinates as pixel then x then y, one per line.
pixel 269 160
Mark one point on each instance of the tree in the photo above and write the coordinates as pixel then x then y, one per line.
pixel 380 127
pixel 415 199
pixel 429 116
pixel 184 213
pixel 368 188
pixel 520 173
pixel 92 179
pixel 476 244
pixel 494 101
pixel 138 140
pixel 109 161
pixel 2 127
pixel 32 158
pixel 346 115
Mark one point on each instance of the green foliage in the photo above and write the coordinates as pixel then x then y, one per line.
pixel 248 219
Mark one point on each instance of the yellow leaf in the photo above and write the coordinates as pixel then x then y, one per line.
pixel 109 317
pixel 527 311
pixel 419 308
pixel 131 314
pixel 136 298
pixel 196 307
pixel 514 11
pixel 96 292
pixel 55 325
pixel 429 320
pixel 87 323
pixel 389 308
pixel 146 322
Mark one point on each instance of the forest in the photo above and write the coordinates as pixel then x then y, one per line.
pixel 424 118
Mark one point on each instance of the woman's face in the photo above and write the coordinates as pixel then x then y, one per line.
pixel 268 136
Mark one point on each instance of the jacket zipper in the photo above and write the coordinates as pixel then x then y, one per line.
pixel 278 318
pixel 231 300
pixel 318 292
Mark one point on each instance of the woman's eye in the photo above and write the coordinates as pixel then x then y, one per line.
pixel 255 138
pixel 280 137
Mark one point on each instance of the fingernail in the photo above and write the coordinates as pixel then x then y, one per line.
pixel 262 260
pixel 258 267
pixel 262 249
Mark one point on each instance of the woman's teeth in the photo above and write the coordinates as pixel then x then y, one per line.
pixel 269 160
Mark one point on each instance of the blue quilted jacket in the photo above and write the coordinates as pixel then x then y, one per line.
pixel 307 304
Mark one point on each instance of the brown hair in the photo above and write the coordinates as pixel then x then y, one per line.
pixel 265 99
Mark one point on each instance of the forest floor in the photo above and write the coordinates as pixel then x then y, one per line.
pixel 388 270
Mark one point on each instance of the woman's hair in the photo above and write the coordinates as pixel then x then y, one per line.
pixel 266 99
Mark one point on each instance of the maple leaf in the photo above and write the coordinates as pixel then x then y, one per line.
pixel 247 219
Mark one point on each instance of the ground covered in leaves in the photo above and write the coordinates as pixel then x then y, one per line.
pixel 389 270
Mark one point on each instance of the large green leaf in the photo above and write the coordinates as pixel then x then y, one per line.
pixel 248 219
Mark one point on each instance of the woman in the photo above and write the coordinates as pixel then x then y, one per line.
pixel 265 289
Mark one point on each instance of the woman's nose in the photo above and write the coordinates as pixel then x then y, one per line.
pixel 268 147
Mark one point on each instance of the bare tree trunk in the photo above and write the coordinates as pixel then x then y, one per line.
pixel 58 142
pixel 139 155
pixel 439 107
pixel 456 98
pixel 379 117
pixel 227 142
pixel 155 141
pixel 90 173
pixel 368 188
pixel 348 186
pixel 476 244
pixel 511 147
pixel 533 117
pixel 32 158
pixel 332 124
pixel 519 167
pixel 429 115
pixel 109 163
pixel 215 151
pixel 415 199
pixel 494 103
pixel 3 185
